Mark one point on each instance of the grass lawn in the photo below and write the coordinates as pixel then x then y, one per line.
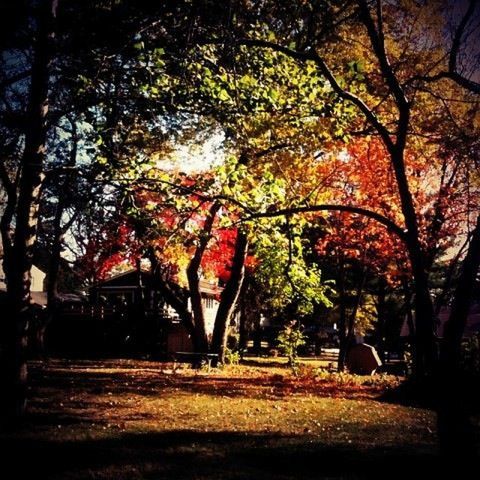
pixel 131 419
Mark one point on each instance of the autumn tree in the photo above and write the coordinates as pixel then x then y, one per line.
pixel 382 92
pixel 187 234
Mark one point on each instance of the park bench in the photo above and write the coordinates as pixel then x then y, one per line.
pixel 196 359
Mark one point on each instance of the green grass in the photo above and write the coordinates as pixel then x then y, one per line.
pixel 136 419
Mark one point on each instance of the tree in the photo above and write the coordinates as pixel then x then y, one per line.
pixel 18 250
pixel 387 85
pixel 83 44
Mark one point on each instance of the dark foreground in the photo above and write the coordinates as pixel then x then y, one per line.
pixel 143 420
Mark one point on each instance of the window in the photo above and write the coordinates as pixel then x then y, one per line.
pixel 208 302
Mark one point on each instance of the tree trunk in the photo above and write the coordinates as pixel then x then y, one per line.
pixel 381 320
pixel 229 296
pixel 247 324
pixel 58 230
pixel 350 327
pixel 193 276
pixel 18 281
pixel 454 426
pixel 425 348
pixel 53 302
pixel 455 326
pixel 342 319
pixel 176 300
pixel 425 352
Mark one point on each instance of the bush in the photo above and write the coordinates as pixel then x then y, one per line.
pixel 232 357
pixel 289 340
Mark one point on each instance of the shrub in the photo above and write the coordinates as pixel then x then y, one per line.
pixel 289 340
pixel 232 357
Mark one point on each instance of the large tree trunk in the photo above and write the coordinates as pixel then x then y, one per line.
pixel 425 352
pixel 176 299
pixel 14 375
pixel 229 297
pixel 455 326
pixel 455 391
pixel 193 276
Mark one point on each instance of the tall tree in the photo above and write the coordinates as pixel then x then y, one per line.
pixel 19 254
pixel 388 101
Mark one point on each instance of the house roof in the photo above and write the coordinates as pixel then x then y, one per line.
pixel 128 279
pixel 210 288
pixel 122 279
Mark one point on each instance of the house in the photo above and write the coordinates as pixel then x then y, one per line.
pixel 37 286
pixel 161 328
pixel 471 328
pixel 473 321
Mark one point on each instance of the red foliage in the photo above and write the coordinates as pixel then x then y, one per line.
pixel 366 178
pixel 106 249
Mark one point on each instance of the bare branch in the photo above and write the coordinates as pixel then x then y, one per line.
pixel 378 45
pixel 452 73
pixel 457 39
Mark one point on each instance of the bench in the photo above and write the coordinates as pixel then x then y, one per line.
pixel 196 359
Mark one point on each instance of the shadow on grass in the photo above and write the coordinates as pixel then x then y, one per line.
pixel 221 455
pixel 152 382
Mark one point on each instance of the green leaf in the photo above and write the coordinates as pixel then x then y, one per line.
pixel 223 95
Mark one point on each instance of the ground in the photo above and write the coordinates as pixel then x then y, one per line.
pixel 131 419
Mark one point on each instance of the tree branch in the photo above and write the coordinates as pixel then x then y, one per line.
pixel 389 224
pixel 451 73
pixel 457 39
pixel 378 45
pixel 328 74
pixel 14 79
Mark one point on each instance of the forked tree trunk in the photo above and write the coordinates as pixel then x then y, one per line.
pixel 193 276
pixel 229 296
pixel 14 396
pixel 175 299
